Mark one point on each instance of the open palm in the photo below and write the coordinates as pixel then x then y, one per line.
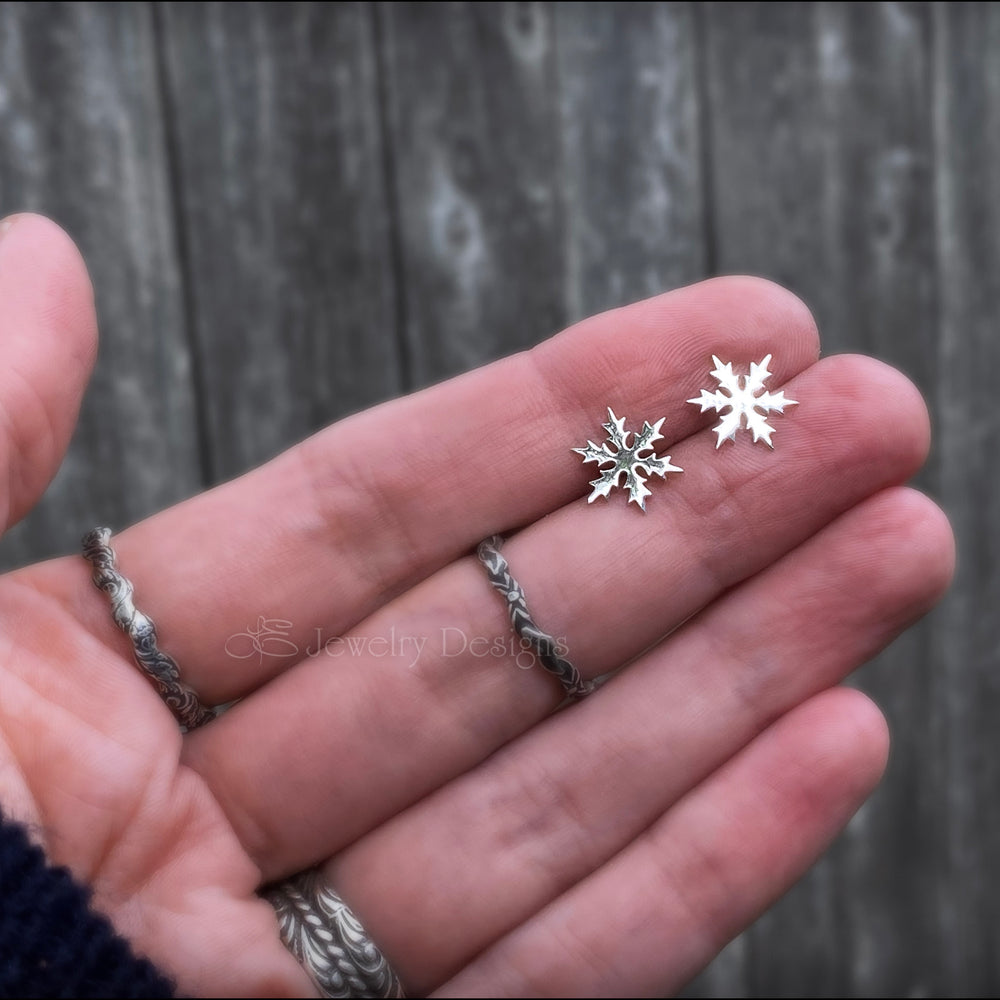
pixel 386 727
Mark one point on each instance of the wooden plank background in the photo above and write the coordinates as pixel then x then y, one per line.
pixel 292 211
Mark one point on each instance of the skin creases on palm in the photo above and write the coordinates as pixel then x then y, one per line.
pixel 398 740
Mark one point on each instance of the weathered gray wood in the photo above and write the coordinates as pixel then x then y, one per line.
pixel 630 171
pixel 81 140
pixel 474 125
pixel 877 66
pixel 281 175
pixel 822 168
pixel 525 197
pixel 293 210
pixel 764 154
pixel 966 636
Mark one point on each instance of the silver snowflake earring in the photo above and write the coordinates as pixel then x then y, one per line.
pixel 739 393
pixel 626 459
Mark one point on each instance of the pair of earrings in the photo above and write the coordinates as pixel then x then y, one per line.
pixel 743 396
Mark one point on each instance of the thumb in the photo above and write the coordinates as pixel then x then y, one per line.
pixel 48 341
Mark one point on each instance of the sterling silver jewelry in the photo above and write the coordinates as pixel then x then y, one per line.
pixel 319 929
pixel 744 397
pixel 314 922
pixel 161 669
pixel 626 460
pixel 544 645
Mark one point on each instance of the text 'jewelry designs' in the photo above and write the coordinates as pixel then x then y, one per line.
pixel 627 460
pixel 743 396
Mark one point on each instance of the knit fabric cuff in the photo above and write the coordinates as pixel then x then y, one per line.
pixel 52 944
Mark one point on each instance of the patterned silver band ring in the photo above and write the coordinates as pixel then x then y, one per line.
pixel 544 645
pixel 320 930
pixel 152 661
pixel 314 922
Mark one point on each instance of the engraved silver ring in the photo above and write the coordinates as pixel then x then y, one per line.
pixel 314 923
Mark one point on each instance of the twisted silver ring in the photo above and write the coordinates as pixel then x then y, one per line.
pixel 315 924
pixel 545 646
pixel 161 669
pixel 319 929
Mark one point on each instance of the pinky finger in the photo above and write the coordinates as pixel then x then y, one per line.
pixel 655 915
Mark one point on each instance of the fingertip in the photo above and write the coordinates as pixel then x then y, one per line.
pixel 45 267
pixel 856 730
pixel 859 391
pixel 841 742
pixel 739 316
pixel 925 534
pixel 736 319
pixel 48 344
pixel 906 546
pixel 765 305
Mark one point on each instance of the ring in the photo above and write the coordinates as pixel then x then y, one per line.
pixel 315 924
pixel 320 930
pixel 161 669
pixel 545 646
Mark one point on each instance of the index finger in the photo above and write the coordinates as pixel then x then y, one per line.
pixel 333 528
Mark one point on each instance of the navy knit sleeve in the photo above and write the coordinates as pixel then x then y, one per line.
pixel 52 944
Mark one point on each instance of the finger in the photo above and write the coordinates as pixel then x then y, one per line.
pixel 48 340
pixel 654 915
pixel 334 528
pixel 420 721
pixel 556 804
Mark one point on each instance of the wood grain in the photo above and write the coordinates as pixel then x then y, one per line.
pixel 283 210
pixel 965 641
pixel 294 210
pixel 82 140
pixel 631 157
pixel 822 164
pixel 473 120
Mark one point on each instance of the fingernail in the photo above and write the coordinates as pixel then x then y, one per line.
pixel 5 225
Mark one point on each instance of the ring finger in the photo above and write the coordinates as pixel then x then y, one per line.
pixel 555 805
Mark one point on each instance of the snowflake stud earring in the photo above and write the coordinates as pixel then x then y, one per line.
pixel 742 395
pixel 626 459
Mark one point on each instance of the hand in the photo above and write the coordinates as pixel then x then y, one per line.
pixel 489 846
